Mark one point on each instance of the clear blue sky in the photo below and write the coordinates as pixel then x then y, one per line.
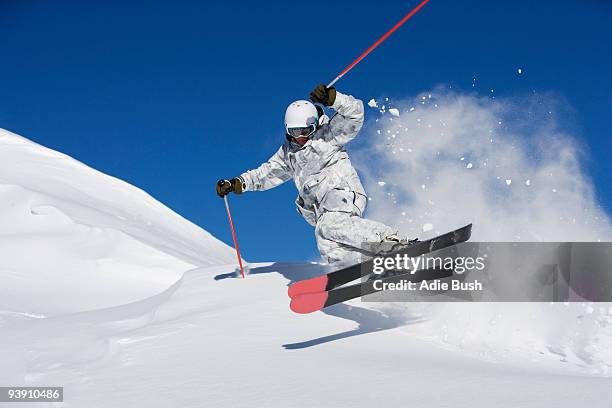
pixel 171 96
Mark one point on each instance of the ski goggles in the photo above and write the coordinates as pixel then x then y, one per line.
pixel 301 131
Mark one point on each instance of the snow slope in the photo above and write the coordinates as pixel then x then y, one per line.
pixel 110 294
pixel 72 238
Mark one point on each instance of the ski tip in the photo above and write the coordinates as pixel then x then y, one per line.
pixel 467 230
pixel 308 303
pixel 313 285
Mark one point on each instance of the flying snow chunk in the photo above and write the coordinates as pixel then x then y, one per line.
pixel 381 183
pixel 373 103
pixel 527 182
pixel 427 227
pixel 520 71
pixel 508 182
pixel 394 112
pixel 469 165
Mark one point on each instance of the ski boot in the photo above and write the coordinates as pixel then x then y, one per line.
pixel 393 243
pixel 388 245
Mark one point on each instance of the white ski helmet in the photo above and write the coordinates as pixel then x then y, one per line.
pixel 301 119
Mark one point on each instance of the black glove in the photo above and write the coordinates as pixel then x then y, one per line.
pixel 322 94
pixel 224 187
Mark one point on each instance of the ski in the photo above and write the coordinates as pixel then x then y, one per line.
pixel 312 302
pixel 342 276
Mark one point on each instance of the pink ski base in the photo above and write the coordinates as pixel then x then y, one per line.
pixel 313 285
pixel 308 302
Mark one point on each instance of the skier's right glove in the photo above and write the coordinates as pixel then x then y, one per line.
pixel 323 95
pixel 224 187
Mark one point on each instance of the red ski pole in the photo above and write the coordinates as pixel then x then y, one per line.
pixel 377 43
pixel 231 222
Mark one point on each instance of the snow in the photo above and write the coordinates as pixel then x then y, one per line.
pixel 427 227
pixel 65 225
pixel 381 183
pixel 394 112
pixel 112 295
pixel 372 103
pixel 527 147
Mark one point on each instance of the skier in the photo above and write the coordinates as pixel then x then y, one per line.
pixel 331 197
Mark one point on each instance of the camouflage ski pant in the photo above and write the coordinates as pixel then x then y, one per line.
pixel 341 235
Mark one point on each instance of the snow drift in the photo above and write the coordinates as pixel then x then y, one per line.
pixel 72 238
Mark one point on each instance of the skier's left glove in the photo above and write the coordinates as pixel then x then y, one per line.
pixel 324 95
pixel 224 187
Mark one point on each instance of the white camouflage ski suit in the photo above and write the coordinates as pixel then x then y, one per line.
pixel 330 194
